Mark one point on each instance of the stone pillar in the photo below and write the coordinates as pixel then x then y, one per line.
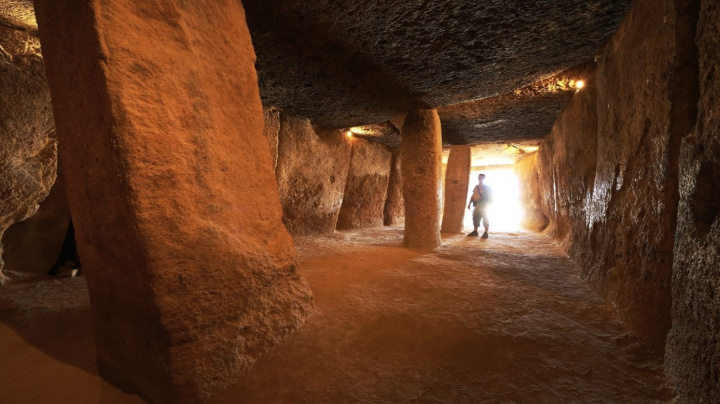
pixel 170 185
pixel 421 172
pixel 394 205
pixel 457 178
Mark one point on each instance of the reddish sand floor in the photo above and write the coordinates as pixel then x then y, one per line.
pixel 503 320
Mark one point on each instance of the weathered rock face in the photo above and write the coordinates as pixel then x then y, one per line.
pixel 567 157
pixel 28 149
pixel 421 173
pixel 623 230
pixel 33 245
pixel 527 171
pixel 348 63
pixel 693 350
pixel 271 130
pixel 189 270
pixel 18 14
pixel 522 114
pixel 457 178
pixel 394 212
pixel 366 187
pixel 634 204
pixel 311 172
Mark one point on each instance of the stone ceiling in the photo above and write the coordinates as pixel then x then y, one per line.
pixel 497 70
pixel 487 64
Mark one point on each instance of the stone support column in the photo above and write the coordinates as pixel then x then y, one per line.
pixel 421 172
pixel 190 272
pixel 457 178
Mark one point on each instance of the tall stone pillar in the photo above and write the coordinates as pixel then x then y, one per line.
pixel 190 271
pixel 457 178
pixel 421 172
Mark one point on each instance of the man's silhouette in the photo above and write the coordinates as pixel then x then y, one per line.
pixel 480 197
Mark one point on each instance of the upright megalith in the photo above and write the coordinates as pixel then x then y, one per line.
pixel 421 172
pixel 693 345
pixel 394 211
pixel 312 169
pixel 28 149
pixel 366 187
pixel 457 178
pixel 190 272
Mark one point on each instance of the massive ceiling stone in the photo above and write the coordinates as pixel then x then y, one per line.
pixel 524 114
pixel 498 70
pixel 352 62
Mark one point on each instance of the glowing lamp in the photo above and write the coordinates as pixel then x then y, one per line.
pixel 579 84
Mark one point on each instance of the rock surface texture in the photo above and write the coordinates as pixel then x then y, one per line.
pixel 366 186
pixel 271 130
pixel 457 178
pixel 568 157
pixel 421 173
pixel 614 200
pixel 348 63
pixel 33 245
pixel 527 171
pixel 28 149
pixel 693 350
pixel 312 171
pixel 522 114
pixel 189 270
pixel 394 211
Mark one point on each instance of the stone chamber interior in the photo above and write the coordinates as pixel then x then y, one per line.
pixel 266 201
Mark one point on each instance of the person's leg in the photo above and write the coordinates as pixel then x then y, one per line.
pixel 476 221
pixel 486 223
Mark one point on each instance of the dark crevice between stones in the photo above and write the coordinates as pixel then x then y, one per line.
pixel 68 258
pixel 705 202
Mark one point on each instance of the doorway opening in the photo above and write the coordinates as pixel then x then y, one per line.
pixel 505 211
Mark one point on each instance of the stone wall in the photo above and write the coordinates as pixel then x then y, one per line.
pixel 527 171
pixel 567 158
pixel 366 187
pixel 28 149
pixel 312 170
pixel 608 172
pixel 693 349
pixel 33 245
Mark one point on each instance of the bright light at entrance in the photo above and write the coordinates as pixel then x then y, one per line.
pixel 505 211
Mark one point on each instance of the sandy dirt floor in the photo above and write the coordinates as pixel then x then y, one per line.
pixel 503 320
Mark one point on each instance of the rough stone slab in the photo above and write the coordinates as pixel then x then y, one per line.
pixel 312 170
pixel 693 349
pixel 271 130
pixel 33 245
pixel 421 172
pixel 28 149
pixel 366 186
pixel 457 179
pixel 394 211
pixel 170 185
pixel 527 171
pixel 353 62
pixel 566 168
